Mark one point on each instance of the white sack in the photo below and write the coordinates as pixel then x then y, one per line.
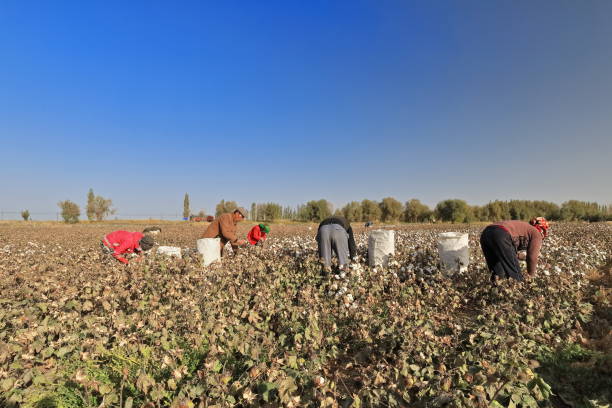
pixel 381 244
pixel 210 248
pixel 169 251
pixel 454 251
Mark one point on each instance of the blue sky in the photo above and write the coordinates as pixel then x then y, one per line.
pixel 289 101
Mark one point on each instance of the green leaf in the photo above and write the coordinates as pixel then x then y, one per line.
pixel 63 351
pixel 265 389
pixel 39 379
pixel 105 389
pixel 292 362
pixel 7 384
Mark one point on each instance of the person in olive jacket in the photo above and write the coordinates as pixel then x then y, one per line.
pixel 225 227
pixel 336 234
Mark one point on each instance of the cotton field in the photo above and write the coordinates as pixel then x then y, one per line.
pixel 266 328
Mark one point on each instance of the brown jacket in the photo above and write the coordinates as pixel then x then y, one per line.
pixel 223 227
pixel 525 237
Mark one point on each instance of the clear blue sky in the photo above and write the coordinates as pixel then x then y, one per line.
pixel 289 101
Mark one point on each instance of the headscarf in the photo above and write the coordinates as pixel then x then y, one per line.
pixel 541 225
pixel 264 228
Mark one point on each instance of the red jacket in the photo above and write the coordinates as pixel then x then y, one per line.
pixel 123 242
pixel 255 235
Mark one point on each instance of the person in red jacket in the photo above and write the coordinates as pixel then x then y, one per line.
pixel 258 234
pixel 118 243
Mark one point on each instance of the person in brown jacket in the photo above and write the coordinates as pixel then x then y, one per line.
pixel 225 226
pixel 502 241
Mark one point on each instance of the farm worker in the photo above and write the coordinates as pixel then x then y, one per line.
pixel 502 241
pixel 258 234
pixel 336 234
pixel 225 226
pixel 118 243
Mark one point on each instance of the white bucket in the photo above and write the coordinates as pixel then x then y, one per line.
pixel 381 244
pixel 169 251
pixel 454 251
pixel 210 248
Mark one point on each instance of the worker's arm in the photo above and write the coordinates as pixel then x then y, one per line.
pixel 257 234
pixel 228 228
pixel 121 250
pixel 533 252
pixel 351 242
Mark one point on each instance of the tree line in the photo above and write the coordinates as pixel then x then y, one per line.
pixel 388 209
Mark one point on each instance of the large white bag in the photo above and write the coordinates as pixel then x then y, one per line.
pixel 454 251
pixel 210 248
pixel 381 244
pixel 169 251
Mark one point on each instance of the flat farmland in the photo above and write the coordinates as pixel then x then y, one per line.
pixel 265 328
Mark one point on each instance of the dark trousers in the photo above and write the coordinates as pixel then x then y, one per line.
pixel 500 254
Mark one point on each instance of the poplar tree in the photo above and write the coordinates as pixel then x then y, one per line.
pixel 186 210
pixel 91 209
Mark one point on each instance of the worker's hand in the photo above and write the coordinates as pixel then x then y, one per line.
pixel 241 242
pixel 139 259
pixel 521 255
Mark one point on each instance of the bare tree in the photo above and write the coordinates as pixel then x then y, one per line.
pixel 102 207
pixel 70 211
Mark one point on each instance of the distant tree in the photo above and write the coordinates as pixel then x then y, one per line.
pixel 480 213
pixel 546 209
pixel 352 211
pixel 225 207
pixel 186 210
pixel 102 208
pixel 497 211
pixel 25 214
pixel 90 205
pixel 453 211
pixel 70 211
pixel 315 210
pixel 270 212
pixel 289 213
pixel 574 210
pixel 370 211
pixel 201 214
pixel 390 209
pixel 253 214
pixel 416 211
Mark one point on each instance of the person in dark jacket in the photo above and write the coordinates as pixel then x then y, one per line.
pixel 502 241
pixel 336 234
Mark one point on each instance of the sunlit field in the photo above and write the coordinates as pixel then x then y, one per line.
pixel 266 328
